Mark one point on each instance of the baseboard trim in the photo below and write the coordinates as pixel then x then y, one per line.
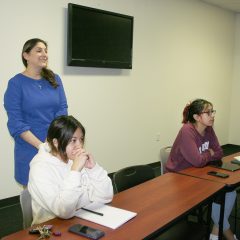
pixel 9 201
pixel 155 164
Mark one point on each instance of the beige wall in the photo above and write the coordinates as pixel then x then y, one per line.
pixel 234 129
pixel 182 49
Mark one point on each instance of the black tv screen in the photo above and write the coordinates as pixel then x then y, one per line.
pixel 99 38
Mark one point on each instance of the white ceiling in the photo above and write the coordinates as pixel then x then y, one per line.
pixel 233 5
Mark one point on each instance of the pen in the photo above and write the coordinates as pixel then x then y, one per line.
pixel 91 211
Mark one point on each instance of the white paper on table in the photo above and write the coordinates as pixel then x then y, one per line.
pixel 112 217
pixel 237 158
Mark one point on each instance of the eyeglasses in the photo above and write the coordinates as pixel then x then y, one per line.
pixel 210 113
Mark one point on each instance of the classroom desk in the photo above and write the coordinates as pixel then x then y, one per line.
pixel 159 203
pixel 230 182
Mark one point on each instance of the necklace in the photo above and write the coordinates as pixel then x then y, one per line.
pixel 39 84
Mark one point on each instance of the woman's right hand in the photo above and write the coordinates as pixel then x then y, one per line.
pixel 211 151
pixel 80 156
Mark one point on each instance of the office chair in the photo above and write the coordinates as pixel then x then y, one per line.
pixel 26 206
pixel 164 153
pixel 185 229
pixel 131 176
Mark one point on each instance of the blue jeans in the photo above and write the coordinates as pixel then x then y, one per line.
pixel 229 202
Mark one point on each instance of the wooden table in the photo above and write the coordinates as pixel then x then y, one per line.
pixel 230 182
pixel 159 203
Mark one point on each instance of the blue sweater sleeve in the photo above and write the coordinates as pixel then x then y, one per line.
pixel 63 109
pixel 12 103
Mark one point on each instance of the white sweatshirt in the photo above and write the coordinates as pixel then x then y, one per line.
pixel 57 191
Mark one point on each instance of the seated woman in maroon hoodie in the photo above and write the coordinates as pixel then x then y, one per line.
pixel 195 145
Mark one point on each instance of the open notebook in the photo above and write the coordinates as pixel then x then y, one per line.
pixel 112 217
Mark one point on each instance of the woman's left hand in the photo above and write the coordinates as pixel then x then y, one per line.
pixel 90 163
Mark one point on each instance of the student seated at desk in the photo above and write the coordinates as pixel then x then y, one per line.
pixel 195 145
pixel 63 175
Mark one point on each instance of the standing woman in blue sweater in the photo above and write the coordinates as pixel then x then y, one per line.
pixel 32 100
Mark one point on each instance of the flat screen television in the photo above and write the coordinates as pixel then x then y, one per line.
pixel 99 38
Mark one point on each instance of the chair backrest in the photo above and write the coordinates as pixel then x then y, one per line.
pixel 164 153
pixel 131 176
pixel 26 206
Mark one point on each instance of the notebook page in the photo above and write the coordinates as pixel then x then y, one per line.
pixel 112 217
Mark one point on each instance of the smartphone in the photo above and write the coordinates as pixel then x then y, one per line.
pixel 235 161
pixel 218 174
pixel 86 231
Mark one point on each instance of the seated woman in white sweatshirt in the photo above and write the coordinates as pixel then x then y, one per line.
pixel 63 175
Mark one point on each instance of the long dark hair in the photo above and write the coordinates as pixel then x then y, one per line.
pixel 195 107
pixel 45 73
pixel 62 129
